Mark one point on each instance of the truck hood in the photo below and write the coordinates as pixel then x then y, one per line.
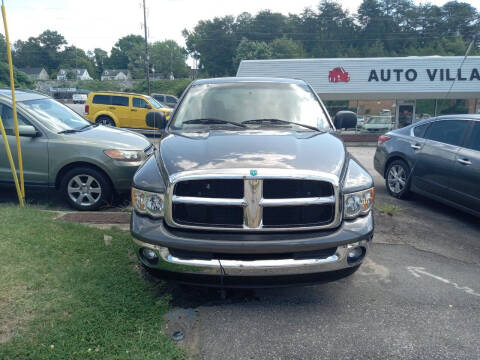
pixel 110 138
pixel 253 149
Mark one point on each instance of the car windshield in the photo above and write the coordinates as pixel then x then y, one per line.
pixel 378 120
pixel 256 104
pixel 54 115
pixel 155 103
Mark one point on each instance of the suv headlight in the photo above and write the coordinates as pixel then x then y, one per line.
pixel 358 203
pixel 125 155
pixel 148 203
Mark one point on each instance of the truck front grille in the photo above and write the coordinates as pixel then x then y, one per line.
pixel 253 204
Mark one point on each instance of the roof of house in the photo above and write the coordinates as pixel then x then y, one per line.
pixel 78 71
pixel 32 71
pixel 114 72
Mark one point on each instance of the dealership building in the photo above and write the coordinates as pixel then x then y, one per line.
pixel 406 88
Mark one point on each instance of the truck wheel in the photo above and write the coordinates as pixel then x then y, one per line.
pixel 105 120
pixel 86 188
pixel 397 179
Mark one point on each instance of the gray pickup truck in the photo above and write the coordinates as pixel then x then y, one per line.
pixel 250 186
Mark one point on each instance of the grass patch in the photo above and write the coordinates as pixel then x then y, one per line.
pixel 388 209
pixel 65 293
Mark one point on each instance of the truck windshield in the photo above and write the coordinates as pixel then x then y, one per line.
pixel 245 102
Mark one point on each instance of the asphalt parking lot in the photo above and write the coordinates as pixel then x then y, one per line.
pixel 416 296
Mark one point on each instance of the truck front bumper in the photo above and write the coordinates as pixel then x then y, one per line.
pixel 324 255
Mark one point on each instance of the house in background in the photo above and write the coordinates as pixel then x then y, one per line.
pixel 115 74
pixel 35 73
pixel 73 74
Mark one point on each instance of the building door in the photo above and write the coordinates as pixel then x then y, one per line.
pixel 405 114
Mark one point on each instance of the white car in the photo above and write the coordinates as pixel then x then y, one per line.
pixel 79 98
pixel 378 124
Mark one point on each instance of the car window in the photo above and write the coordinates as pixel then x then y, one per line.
pixel 102 99
pixel 140 103
pixel 159 98
pixel 447 131
pixel 7 118
pixel 171 99
pixel 419 131
pixel 474 141
pixel 120 100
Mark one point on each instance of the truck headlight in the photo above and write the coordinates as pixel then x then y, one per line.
pixel 125 155
pixel 148 203
pixel 358 203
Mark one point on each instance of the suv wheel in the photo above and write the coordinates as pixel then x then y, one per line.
pixel 86 188
pixel 397 179
pixel 105 120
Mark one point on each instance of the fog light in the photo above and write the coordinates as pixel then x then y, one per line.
pixel 355 254
pixel 149 256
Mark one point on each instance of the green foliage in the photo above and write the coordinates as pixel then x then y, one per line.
pixel 167 57
pixel 172 87
pixel 379 28
pixel 21 79
pixel 251 50
pixel 216 41
pixel 77 296
pixel 285 48
pixel 97 85
pixel 282 48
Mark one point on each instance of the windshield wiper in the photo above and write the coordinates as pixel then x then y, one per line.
pixel 71 131
pixel 88 125
pixel 213 121
pixel 280 122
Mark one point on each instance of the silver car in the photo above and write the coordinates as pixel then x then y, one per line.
pixel 88 163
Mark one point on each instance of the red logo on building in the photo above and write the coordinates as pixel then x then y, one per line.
pixel 338 75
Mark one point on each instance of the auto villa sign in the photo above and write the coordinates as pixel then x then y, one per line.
pixel 432 74
pixel 403 78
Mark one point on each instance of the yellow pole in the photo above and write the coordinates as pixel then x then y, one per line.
pixel 12 164
pixel 14 104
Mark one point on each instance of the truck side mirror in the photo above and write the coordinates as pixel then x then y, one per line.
pixel 345 120
pixel 156 119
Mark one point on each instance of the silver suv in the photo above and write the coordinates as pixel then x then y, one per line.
pixel 88 163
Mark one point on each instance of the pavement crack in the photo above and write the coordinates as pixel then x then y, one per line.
pixel 432 252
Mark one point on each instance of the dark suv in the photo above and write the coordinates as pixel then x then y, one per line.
pixel 250 186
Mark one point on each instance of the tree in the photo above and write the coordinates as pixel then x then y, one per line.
pixel 168 57
pixel 100 57
pixel 129 53
pixel 252 50
pixel 267 26
pixel 215 42
pixel 460 18
pixel 40 51
pixel 284 48
pixel 75 58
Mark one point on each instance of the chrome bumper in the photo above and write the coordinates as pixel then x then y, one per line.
pixel 260 268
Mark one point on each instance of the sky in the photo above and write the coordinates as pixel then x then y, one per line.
pixel 89 24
